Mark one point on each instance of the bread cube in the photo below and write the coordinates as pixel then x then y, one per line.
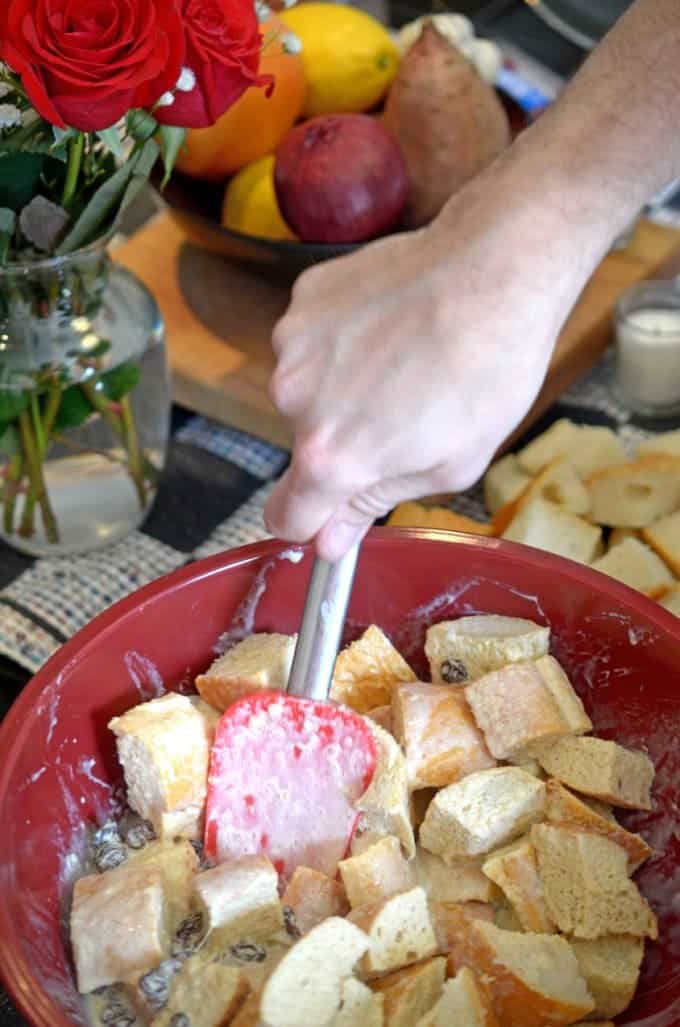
pixel 415 515
pixel 611 968
pixel 585 881
pixel 504 482
pixel 258 663
pixel 601 769
pixel 311 897
pixel 164 749
pixel 637 493
pixel 587 447
pixel 524 704
pixel 360 1006
pixel 438 734
pixel 563 807
pixel 378 872
pixel 560 484
pixel 459 880
pixel 306 986
pixel 481 812
pixel 462 650
pixel 637 565
pixel 464 1002
pixel 382 716
pixel 205 993
pixel 410 993
pixel 446 919
pixel 664 538
pixel 665 442
pixel 545 525
pixel 514 869
pixel 240 899
pixel 367 671
pixel 532 979
pixel 384 806
pixel 117 925
pixel 178 865
pixel 400 932
pixel 671 600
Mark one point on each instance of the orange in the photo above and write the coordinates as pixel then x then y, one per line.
pixel 250 204
pixel 256 123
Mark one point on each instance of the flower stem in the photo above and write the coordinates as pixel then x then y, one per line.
pixel 13 476
pixel 124 428
pixel 50 414
pixel 75 159
pixel 37 492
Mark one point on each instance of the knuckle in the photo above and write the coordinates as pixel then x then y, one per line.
pixel 314 461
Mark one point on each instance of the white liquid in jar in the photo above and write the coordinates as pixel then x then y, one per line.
pixel 648 358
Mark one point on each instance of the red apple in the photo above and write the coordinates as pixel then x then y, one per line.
pixel 340 178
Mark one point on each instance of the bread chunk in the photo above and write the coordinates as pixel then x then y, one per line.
pixel 462 650
pixel 545 525
pixel 587 447
pixel 515 871
pixel 464 1002
pixel 367 671
pixel 601 769
pixel 438 734
pixel 503 482
pixel 258 663
pixel 378 872
pixel 240 899
pixel 409 994
pixel 587 889
pixel 400 931
pixel 481 812
pixel 311 897
pixel 637 565
pixel 205 993
pixel 611 968
pixel 525 704
pixel 164 749
pixel 637 493
pixel 459 880
pixel 360 1006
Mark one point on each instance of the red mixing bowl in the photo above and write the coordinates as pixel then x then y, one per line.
pixel 59 770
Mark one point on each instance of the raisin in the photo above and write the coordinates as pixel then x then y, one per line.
pixel 248 952
pixel 180 1020
pixel 106 834
pixel 453 671
pixel 290 922
pixel 135 831
pixel 109 856
pixel 188 936
pixel 155 985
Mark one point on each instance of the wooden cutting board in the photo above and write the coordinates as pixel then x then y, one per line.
pixel 219 317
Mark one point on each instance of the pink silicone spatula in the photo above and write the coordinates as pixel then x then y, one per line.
pixel 287 768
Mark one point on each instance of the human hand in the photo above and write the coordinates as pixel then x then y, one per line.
pixel 404 366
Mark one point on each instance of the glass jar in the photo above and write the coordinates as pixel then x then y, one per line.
pixel 84 403
pixel 648 349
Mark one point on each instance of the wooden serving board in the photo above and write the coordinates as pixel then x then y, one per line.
pixel 219 317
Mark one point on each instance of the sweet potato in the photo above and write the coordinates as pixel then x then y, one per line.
pixel 448 121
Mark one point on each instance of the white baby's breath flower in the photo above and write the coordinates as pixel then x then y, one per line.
pixel 10 116
pixel 166 100
pixel 291 43
pixel 262 10
pixel 186 81
pixel 4 89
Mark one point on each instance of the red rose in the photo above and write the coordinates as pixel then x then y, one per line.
pixel 85 63
pixel 223 46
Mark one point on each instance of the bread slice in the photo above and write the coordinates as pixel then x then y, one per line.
pixel 378 872
pixel 440 518
pixel 464 1002
pixel 400 930
pixel 205 993
pixel 637 493
pixel 636 565
pixel 456 881
pixel 306 986
pixel 438 734
pixel 178 865
pixel 117 925
pixel 258 663
pixel 515 871
pixel 359 1006
pixel 611 968
pixel 311 897
pixel 667 443
pixel 384 806
pixel 503 482
pixel 240 899
pixel 587 889
pixel 671 600
pixel 367 671
pixel 601 769
pixel 587 447
pixel 164 747
pixel 545 525
pixel 563 807
pixel 481 812
pixel 462 650
pixel 410 993
pixel 524 705
pixel 664 538
pixel 533 979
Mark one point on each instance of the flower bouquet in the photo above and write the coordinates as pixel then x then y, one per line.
pixel 92 94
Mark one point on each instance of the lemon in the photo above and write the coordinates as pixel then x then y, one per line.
pixel 350 59
pixel 250 204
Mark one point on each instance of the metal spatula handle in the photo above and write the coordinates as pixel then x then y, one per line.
pixel 323 619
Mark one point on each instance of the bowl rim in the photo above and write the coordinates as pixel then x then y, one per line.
pixel 34 1003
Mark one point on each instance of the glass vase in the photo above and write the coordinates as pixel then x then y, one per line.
pixel 84 403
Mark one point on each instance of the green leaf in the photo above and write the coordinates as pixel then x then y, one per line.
pixel 12 403
pixel 172 141
pixel 10 442
pixel 74 409
pixel 111 140
pixel 19 178
pixel 148 156
pixel 119 381
pixel 141 125
pixel 8 220
pixel 100 209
